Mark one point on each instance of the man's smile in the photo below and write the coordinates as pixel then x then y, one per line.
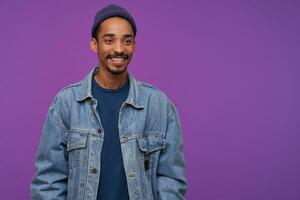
pixel 118 60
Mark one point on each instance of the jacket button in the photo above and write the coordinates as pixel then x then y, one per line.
pixel 99 130
pixel 94 171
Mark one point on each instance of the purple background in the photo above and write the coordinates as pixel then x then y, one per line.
pixel 230 67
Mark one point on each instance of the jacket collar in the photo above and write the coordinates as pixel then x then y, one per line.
pixel 133 94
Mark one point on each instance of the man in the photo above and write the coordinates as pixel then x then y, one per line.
pixel 109 136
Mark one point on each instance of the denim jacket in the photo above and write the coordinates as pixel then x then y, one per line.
pixel 68 159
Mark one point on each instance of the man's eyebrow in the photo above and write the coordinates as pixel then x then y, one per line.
pixel 108 35
pixel 113 35
pixel 128 35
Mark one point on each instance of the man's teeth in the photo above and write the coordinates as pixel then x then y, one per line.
pixel 117 58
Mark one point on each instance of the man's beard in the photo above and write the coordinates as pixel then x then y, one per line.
pixel 126 58
pixel 116 72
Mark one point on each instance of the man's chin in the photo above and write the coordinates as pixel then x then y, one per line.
pixel 117 70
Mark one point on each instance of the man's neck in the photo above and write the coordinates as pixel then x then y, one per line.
pixel 111 81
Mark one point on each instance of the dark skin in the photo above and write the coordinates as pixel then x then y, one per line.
pixel 115 45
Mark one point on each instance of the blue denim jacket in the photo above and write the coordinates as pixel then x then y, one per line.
pixel 68 159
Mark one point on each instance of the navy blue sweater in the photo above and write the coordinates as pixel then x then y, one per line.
pixel 113 184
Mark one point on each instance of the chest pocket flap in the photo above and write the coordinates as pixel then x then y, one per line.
pixel 151 143
pixel 76 141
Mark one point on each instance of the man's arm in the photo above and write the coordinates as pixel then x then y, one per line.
pixel 50 181
pixel 171 182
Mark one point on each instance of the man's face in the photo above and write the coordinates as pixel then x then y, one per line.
pixel 115 45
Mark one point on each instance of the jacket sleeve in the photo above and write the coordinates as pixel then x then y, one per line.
pixel 171 182
pixel 50 180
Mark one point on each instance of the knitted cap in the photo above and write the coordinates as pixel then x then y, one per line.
pixel 112 10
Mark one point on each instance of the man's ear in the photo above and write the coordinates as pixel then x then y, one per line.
pixel 93 45
pixel 134 45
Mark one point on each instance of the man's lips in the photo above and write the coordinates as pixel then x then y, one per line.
pixel 121 56
pixel 117 60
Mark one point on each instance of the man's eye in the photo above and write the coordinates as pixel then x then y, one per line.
pixel 108 41
pixel 128 41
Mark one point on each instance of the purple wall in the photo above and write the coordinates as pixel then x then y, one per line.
pixel 232 69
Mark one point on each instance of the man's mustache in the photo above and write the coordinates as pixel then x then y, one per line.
pixel 122 55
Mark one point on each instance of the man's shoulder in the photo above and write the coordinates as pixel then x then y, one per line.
pixel 70 91
pixel 72 86
pixel 151 89
pixel 157 96
pixel 148 86
pixel 153 92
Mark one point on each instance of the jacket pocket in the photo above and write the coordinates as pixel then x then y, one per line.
pixel 149 144
pixel 78 163
pixel 76 147
pixel 76 141
pixel 149 148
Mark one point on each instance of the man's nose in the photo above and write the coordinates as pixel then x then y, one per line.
pixel 118 47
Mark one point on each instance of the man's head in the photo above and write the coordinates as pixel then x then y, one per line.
pixel 113 38
pixel 111 10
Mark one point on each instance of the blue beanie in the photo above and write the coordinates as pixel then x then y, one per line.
pixel 112 10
